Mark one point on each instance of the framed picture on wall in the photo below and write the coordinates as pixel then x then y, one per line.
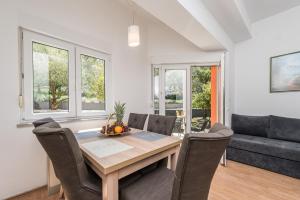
pixel 285 73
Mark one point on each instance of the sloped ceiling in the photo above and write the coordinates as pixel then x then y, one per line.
pixel 236 16
pixel 232 16
pixel 213 24
pixel 261 9
pixel 174 15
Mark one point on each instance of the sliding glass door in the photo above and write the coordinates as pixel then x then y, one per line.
pixel 189 92
pixel 170 93
pixel 175 96
pixel 204 80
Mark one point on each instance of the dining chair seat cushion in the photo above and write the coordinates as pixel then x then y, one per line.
pixel 153 186
pixel 128 180
pixel 149 168
pixel 93 184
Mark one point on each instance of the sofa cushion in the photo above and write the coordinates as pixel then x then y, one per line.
pixel 277 148
pixel 284 128
pixel 250 125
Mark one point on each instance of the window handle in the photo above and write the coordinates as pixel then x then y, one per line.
pixel 21 102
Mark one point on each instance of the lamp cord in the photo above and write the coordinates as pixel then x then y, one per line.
pixel 132 9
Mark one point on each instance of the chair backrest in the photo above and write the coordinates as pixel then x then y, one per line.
pixel 198 160
pixel 137 120
pixel 42 121
pixel 64 152
pixel 217 127
pixel 161 124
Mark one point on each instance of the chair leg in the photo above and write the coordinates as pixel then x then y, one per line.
pixel 224 159
pixel 61 194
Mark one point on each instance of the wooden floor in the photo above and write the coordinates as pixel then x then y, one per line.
pixel 234 182
pixel 242 182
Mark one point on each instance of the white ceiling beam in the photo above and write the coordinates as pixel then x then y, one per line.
pixel 232 17
pixel 244 14
pixel 199 11
pixel 202 30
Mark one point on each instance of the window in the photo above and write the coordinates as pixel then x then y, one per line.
pixel 190 92
pixel 92 68
pixel 92 83
pixel 61 79
pixel 50 79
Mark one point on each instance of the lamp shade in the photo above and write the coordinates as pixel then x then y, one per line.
pixel 133 36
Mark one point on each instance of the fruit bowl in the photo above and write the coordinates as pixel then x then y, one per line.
pixel 118 127
pixel 114 129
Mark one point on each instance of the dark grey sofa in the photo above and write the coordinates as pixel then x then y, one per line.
pixel 268 142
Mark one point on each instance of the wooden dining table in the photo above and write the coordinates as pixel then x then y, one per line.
pixel 116 157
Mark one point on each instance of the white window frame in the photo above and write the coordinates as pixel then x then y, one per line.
pixel 188 67
pixel 88 52
pixel 28 39
pixel 74 50
pixel 186 95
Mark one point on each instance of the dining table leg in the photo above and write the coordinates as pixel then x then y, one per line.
pixel 173 159
pixel 110 186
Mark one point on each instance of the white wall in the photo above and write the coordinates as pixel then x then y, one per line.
pixel 100 24
pixel 273 36
pixel 166 46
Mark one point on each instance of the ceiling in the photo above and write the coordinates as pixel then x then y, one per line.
pixel 237 16
pixel 261 9
pixel 174 15
pixel 229 14
pixel 213 24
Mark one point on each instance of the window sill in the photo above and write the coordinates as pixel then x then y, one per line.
pixel 28 123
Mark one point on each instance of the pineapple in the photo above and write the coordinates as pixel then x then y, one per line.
pixel 119 112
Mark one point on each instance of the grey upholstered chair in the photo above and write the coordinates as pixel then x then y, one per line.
pixel 69 166
pixel 137 120
pixel 161 124
pixel 197 162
